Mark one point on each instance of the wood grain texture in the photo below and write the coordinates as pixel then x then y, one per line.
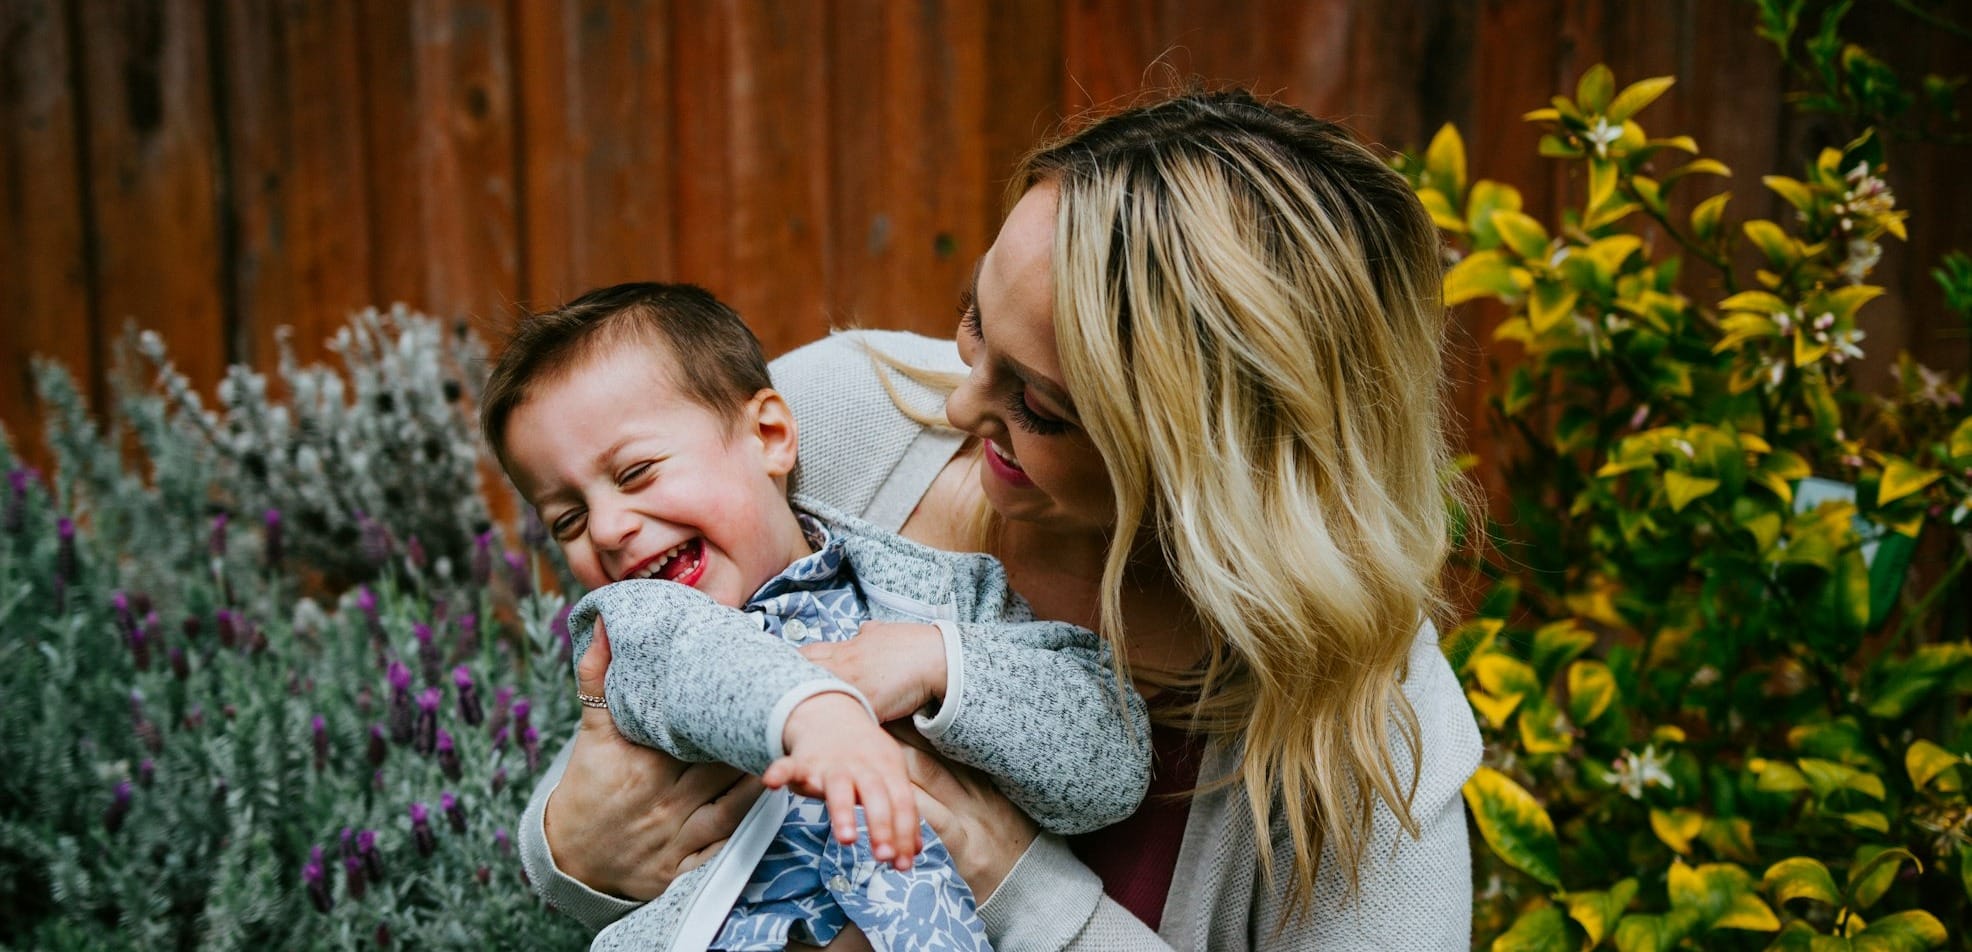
pixel 45 281
pixel 214 168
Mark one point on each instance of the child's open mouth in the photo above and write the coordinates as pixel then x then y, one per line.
pixel 683 564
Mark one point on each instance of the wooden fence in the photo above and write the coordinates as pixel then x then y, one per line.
pixel 216 168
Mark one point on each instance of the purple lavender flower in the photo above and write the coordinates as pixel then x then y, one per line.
pixel 346 840
pixel 140 645
pixel 216 543
pixel 381 939
pixel 377 750
pixel 354 882
pixel 503 702
pixel 15 520
pixel 126 620
pixel 468 635
pixel 315 879
pixel 521 709
pixel 181 667
pixel 270 546
pixel 366 849
pixel 428 661
pixel 519 577
pixel 482 560
pixel 194 717
pixel 469 708
pixel 424 739
pixel 503 841
pixel 421 835
pixel 119 807
pixel 400 703
pixel 455 812
pixel 530 741
pixel 255 638
pixel 533 534
pixel 192 627
pixel 484 875
pixel 227 624
pixel 375 541
pixel 448 755
pixel 499 781
pixel 414 554
pixel 319 728
pixel 146 772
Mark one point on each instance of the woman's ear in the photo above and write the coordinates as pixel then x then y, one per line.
pixel 772 423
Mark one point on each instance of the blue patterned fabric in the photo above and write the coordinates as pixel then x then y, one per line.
pixel 808 886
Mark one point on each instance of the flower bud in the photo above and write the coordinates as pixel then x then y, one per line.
pixel 228 627
pixel 448 755
pixel 530 741
pixel 319 727
pixel 401 714
pixel 469 709
pixel 455 812
pixel 503 703
pixel 181 667
pixel 216 542
pixel 483 874
pixel 503 841
pixel 428 660
pixel 376 752
pixel 519 577
pixel 521 709
pixel 381 938
pixel 560 628
pixel 315 879
pixel 468 643
pixel 414 554
pixel 146 773
pixel 119 807
pixel 499 781
pixel 424 738
pixel 354 882
pixel 271 548
pixel 482 560
pixel 366 849
pixel 421 835
pixel 140 644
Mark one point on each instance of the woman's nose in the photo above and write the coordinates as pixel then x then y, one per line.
pixel 967 407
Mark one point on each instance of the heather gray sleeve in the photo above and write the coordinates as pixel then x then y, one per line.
pixel 1039 707
pixel 693 678
pixel 1050 901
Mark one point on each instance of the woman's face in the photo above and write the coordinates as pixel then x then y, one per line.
pixel 1038 465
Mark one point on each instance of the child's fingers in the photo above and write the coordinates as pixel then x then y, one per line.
pixel 778 773
pixel 876 814
pixel 839 793
pixel 904 800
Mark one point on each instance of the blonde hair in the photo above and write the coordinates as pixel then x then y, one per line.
pixel 1247 311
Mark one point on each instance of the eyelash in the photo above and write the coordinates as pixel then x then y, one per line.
pixel 969 314
pixel 565 527
pixel 1023 415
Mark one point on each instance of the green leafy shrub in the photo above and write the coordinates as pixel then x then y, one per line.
pixel 1722 708
pixel 201 752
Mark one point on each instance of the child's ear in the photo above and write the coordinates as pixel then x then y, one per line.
pixel 772 423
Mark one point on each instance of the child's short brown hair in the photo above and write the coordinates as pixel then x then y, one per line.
pixel 717 359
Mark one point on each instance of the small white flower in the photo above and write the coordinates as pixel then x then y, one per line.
pixel 1602 134
pixel 1635 771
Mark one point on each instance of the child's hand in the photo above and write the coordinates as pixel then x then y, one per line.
pixel 899 666
pixel 838 754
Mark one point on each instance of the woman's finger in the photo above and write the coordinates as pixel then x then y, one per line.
pixel 591 673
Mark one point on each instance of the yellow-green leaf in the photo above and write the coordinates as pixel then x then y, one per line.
pixel 1466 641
pixel 1757 302
pixel 1444 160
pixel 1807 350
pixel 1487 197
pixel 1901 478
pixel 1591 689
pixel 1542 115
pixel 1705 218
pixel 1801 877
pixel 1597 912
pixel 1912 930
pixel 1602 181
pixel 1550 304
pixel 1496 710
pixel 1875 870
pixel 1925 761
pixel 1872 820
pixel 1592 92
pixel 1521 233
pixel 1777 777
pixel 1683 488
pixel 1609 212
pixel 1698 167
pixel 1542 929
pixel 1965 868
pixel 1677 828
pixel 1750 913
pixel 1442 213
pixel 1652 933
pixel 1480 274
pixel 1959 447
pixel 1504 674
pixel 1827 777
pixel 1636 96
pixel 1796 193
pixel 1542 728
pixel 1513 823
pixel 1771 241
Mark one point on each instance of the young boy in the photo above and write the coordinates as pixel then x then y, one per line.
pixel 639 422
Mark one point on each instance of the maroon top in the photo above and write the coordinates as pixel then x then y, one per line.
pixel 1137 857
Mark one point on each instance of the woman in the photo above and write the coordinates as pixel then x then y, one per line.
pixel 1203 410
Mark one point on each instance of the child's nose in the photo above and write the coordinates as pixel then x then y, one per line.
pixel 613 526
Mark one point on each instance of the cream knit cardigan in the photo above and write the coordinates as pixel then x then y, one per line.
pixel 860 454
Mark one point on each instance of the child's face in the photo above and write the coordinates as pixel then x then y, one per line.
pixel 636 480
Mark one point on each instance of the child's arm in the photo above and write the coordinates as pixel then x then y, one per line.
pixel 704 682
pixel 1036 705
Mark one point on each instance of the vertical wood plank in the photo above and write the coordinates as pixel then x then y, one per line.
pixel 779 163
pixel 441 155
pixel 702 183
pixel 44 268
pixel 596 110
pixel 153 169
pixel 299 195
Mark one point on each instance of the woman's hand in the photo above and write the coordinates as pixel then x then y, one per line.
pixel 627 820
pixel 985 833
pixel 899 666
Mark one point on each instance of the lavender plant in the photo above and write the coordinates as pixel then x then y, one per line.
pixel 200 756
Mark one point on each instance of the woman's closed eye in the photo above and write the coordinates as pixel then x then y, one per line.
pixel 1035 421
pixel 969 313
